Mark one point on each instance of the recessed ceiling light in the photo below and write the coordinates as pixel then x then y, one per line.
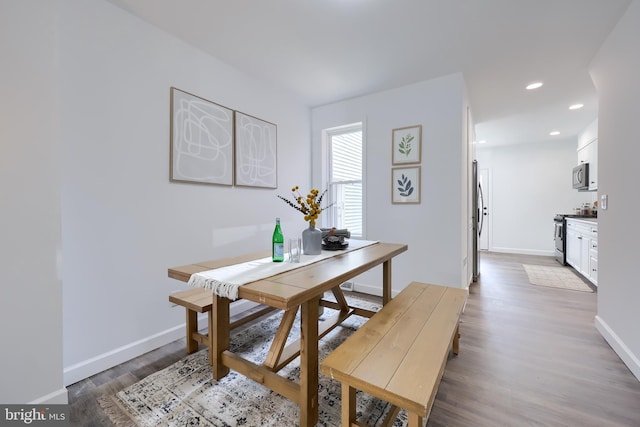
pixel 554 133
pixel 576 106
pixel 534 85
pixel 482 141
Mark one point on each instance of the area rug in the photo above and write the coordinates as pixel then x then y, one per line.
pixel 555 277
pixel 184 394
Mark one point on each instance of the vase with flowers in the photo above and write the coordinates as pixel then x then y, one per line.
pixel 311 208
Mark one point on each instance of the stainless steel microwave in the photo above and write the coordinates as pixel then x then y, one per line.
pixel 581 177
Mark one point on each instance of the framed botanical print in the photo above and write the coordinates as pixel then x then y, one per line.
pixel 406 145
pixel 405 185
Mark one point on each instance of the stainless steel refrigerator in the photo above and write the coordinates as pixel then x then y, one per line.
pixel 479 211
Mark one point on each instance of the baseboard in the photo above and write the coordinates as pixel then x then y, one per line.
pixel 376 290
pixel 85 369
pixel 58 397
pixel 347 286
pixel 367 289
pixel 522 251
pixel 629 359
pixel 371 289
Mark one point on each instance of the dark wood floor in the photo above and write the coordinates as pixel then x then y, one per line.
pixel 529 356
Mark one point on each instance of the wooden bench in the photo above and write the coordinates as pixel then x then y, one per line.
pixel 200 300
pixel 196 300
pixel 399 355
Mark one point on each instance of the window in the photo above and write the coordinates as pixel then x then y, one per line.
pixel 344 178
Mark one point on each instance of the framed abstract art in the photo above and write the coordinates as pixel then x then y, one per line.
pixel 201 141
pixel 255 152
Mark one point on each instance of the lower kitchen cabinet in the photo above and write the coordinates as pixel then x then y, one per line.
pixel 582 248
pixel 593 260
pixel 574 247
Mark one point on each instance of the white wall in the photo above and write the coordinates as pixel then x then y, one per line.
pixel 529 185
pixel 31 303
pixel 123 222
pixel 615 71
pixel 433 229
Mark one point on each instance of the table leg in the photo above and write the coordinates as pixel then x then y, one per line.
pixel 309 363
pixel 219 335
pixel 386 282
pixel 342 301
pixel 348 405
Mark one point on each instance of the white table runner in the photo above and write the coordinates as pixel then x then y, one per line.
pixel 225 281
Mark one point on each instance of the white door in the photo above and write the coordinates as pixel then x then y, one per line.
pixel 483 205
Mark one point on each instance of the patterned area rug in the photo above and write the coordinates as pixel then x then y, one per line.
pixel 555 277
pixel 184 394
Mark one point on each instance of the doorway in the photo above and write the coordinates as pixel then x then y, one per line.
pixel 484 206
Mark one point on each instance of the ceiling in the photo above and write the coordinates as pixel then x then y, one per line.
pixel 329 50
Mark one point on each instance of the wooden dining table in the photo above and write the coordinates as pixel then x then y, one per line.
pixel 299 289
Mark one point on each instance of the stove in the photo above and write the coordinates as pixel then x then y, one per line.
pixel 560 235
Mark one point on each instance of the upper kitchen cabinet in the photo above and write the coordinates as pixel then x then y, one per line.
pixel 588 152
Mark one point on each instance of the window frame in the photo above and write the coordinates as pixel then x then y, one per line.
pixel 327 135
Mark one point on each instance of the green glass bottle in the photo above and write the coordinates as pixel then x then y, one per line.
pixel 277 243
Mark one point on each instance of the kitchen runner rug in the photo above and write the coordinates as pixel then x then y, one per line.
pixel 555 277
pixel 185 394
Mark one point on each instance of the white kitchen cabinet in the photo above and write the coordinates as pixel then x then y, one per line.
pixel 593 257
pixel 593 265
pixel 574 243
pixel 588 134
pixel 582 248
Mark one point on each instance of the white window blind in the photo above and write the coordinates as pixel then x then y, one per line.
pixel 345 179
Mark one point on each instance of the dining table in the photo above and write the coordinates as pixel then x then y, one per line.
pixel 299 289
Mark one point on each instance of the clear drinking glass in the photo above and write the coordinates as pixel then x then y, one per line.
pixel 295 247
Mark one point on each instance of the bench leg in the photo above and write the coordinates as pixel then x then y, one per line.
pixel 415 420
pixel 456 341
pixel 192 328
pixel 348 405
pixel 391 416
pixel 219 335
